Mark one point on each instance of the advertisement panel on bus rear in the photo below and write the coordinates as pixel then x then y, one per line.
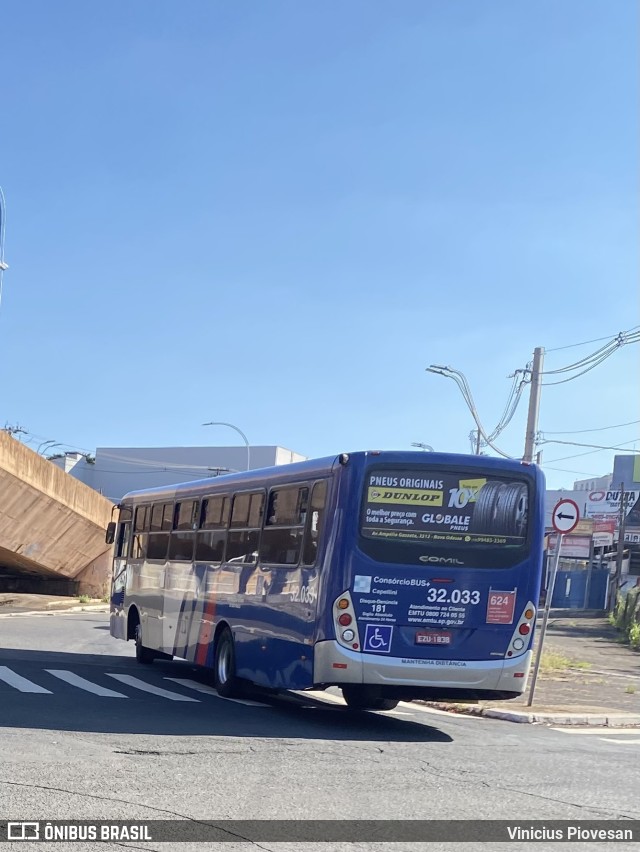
pixel 445 508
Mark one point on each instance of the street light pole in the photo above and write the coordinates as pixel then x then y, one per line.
pixel 3 217
pixel 421 446
pixel 239 431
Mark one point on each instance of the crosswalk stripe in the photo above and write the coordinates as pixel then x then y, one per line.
pixel 130 680
pixel 209 690
pixel 19 682
pixel 319 695
pixel 619 742
pixel 81 683
pixel 616 732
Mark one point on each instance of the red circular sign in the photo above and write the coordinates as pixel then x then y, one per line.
pixel 565 516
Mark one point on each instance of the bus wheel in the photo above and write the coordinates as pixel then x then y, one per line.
pixel 143 655
pixel 359 698
pixel 226 682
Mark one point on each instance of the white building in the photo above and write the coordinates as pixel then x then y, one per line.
pixel 117 470
pixel 597 483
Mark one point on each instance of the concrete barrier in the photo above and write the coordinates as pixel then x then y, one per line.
pixel 51 526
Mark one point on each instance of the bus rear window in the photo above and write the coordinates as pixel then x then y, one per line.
pixel 445 508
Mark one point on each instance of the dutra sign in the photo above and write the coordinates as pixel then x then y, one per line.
pixel 605 505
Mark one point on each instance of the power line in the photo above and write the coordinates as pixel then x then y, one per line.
pixel 595 446
pixel 588 453
pixel 580 472
pixel 598 429
pixel 586 343
pixel 593 360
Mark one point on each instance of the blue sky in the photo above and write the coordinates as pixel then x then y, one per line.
pixel 278 214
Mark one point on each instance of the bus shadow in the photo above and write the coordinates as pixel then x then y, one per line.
pixel 64 707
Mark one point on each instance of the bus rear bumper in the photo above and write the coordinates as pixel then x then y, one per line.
pixel 335 665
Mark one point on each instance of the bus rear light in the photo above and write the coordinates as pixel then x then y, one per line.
pixel 339 665
pixel 522 631
pixel 518 674
pixel 344 615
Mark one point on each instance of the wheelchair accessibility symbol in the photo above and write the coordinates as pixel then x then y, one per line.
pixel 377 638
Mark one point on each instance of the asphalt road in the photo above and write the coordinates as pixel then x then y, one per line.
pixel 82 737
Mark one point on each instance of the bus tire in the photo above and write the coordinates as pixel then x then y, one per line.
pixel 226 682
pixel 359 698
pixel 143 655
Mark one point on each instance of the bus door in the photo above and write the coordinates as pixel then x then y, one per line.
pixel 118 625
pixel 288 582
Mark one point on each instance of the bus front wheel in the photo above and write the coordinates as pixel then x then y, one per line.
pixel 227 683
pixel 143 655
pixel 361 698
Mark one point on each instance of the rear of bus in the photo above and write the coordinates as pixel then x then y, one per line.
pixel 435 585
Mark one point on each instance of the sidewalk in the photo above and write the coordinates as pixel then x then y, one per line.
pixel 587 678
pixel 16 603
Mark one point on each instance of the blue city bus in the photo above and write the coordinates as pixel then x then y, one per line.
pixel 392 575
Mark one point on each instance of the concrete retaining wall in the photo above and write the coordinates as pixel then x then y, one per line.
pixel 51 525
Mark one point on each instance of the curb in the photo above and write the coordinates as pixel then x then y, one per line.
pixel 61 611
pixel 606 719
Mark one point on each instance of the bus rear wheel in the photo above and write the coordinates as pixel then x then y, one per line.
pixel 143 655
pixel 361 698
pixel 227 683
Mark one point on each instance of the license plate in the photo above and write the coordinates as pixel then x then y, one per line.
pixel 433 637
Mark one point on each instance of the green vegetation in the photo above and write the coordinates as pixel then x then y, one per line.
pixel 626 618
pixel 631 689
pixel 84 598
pixel 554 662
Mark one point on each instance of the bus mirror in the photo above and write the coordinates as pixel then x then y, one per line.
pixel 111 533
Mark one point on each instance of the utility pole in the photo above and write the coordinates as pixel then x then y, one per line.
pixel 534 404
pixel 620 552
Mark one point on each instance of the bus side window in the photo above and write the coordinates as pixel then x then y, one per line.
pixel 161 522
pixel 316 523
pixel 122 542
pixel 284 525
pixel 244 528
pixel 141 532
pixel 212 535
pixel 124 532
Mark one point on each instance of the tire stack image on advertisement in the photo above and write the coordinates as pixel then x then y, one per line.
pixel 501 509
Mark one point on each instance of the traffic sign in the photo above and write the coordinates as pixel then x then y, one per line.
pixel 565 516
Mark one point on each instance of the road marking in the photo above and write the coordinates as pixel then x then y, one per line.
pixel 434 711
pixel 319 695
pixel 19 682
pixel 618 732
pixel 130 680
pixel 209 690
pixel 81 683
pixel 619 742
